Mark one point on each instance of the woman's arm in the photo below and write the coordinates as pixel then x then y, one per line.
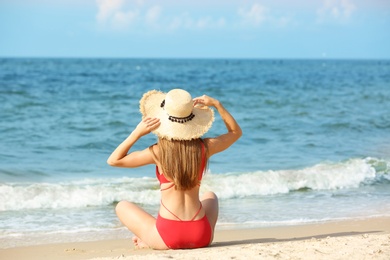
pixel 234 132
pixel 119 156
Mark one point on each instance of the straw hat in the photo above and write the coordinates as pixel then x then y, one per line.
pixel 180 119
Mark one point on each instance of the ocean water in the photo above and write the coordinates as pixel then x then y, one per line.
pixel 316 142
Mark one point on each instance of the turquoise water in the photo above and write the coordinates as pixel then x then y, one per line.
pixel 316 143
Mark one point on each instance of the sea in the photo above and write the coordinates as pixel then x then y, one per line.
pixel 315 145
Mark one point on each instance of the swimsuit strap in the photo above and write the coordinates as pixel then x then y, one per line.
pixel 196 214
pixel 170 211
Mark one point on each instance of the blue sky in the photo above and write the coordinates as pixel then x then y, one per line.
pixel 308 29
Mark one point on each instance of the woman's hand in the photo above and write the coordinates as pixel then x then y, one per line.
pixel 147 125
pixel 206 101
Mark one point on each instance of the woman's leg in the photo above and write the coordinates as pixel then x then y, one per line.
pixel 210 204
pixel 141 223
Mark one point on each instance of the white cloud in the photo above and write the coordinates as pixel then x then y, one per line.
pixel 204 22
pixel 340 10
pixel 253 16
pixel 284 21
pixel 122 20
pixel 258 15
pixel 221 22
pixel 112 14
pixel 153 14
pixel 143 16
pixel 106 8
pixel 122 15
pixel 209 22
pixel 185 21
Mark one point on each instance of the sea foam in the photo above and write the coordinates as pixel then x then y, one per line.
pixel 99 192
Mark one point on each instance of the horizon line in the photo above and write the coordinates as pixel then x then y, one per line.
pixel 196 58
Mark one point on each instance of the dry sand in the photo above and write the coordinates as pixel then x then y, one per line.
pixel 353 239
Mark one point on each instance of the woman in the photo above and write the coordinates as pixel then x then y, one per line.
pixel 180 156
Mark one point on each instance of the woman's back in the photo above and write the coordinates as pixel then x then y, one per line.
pixel 180 204
pixel 182 220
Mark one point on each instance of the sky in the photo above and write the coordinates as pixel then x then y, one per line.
pixel 290 29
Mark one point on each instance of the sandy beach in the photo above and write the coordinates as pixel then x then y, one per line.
pixel 352 239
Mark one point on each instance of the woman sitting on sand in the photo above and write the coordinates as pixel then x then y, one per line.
pixel 181 157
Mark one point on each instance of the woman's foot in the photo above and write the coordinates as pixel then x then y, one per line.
pixel 139 244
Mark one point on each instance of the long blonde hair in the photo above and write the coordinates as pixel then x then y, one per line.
pixel 181 161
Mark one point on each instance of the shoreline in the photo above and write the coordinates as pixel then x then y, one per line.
pixel 355 239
